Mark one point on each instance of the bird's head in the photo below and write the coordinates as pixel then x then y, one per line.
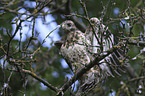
pixel 68 26
pixel 94 21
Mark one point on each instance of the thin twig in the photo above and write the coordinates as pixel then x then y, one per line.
pixel 39 79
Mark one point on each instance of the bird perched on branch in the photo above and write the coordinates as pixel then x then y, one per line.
pixel 75 48
pixel 102 40
pixel 79 49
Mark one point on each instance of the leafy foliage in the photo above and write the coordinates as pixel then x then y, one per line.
pixel 28 67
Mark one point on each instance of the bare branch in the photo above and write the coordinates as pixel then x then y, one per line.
pixel 137 43
pixel 41 80
pixel 88 67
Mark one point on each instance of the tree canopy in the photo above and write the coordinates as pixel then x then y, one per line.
pixel 30 63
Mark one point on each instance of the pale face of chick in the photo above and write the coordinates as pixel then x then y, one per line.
pixel 68 26
pixel 94 21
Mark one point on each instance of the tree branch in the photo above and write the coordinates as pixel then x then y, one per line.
pixel 86 68
pixel 66 10
pixel 39 79
pixel 138 43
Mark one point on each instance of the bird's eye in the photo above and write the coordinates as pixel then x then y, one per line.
pixel 69 24
pixel 92 21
